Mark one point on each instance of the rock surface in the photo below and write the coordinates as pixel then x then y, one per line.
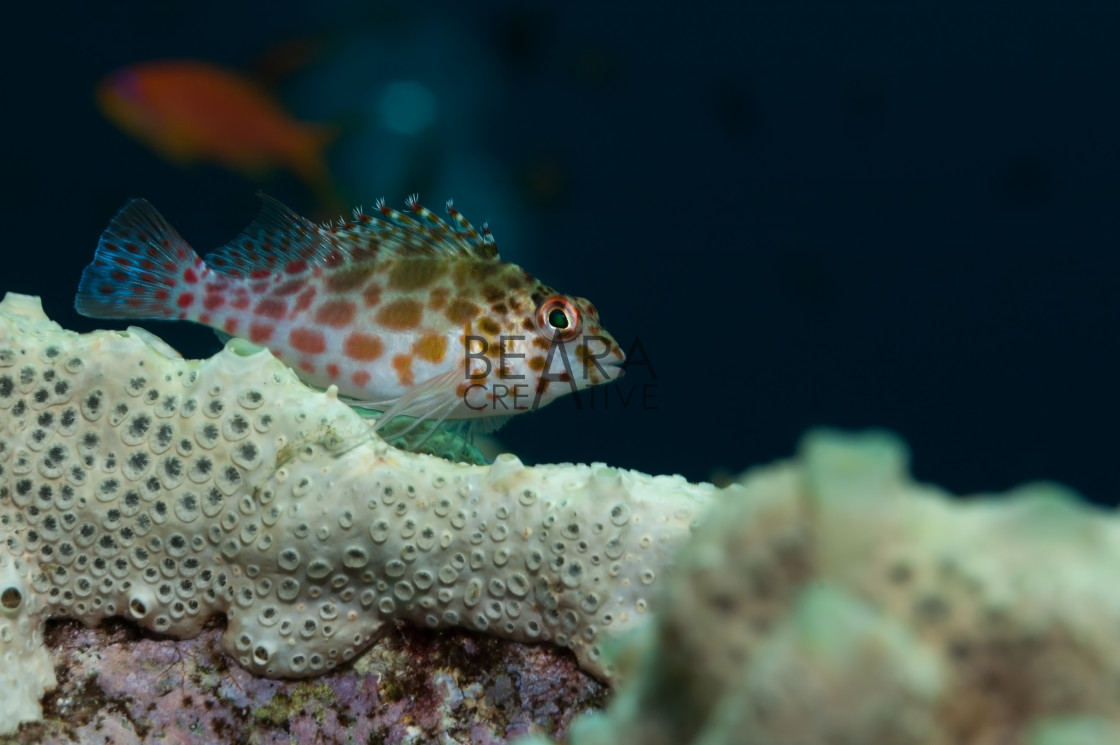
pixel 121 685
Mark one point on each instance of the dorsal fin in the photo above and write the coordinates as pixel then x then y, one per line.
pixel 277 239
pixel 280 240
pixel 421 232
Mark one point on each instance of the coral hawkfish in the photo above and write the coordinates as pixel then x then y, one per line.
pixel 404 312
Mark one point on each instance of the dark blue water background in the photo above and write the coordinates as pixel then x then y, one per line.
pixel 855 214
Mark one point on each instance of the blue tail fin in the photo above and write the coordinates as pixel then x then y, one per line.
pixel 142 269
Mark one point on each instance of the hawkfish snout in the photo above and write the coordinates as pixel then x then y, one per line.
pixel 599 359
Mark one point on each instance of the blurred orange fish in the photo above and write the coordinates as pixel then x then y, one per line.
pixel 190 111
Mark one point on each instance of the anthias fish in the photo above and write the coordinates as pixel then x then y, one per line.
pixel 404 312
pixel 190 111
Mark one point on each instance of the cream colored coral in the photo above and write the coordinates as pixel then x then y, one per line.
pixel 139 484
pixel 840 602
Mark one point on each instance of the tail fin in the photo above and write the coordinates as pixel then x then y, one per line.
pixel 142 269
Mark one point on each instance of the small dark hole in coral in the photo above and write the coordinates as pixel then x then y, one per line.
pixel 10 598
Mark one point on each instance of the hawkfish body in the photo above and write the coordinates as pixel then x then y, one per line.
pixel 403 312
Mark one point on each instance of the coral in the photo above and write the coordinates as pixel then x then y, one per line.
pixel 840 602
pixel 135 483
pixel 825 599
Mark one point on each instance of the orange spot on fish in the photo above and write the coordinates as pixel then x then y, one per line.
pixel 362 347
pixel 461 311
pixel 308 341
pixel 332 370
pixel 360 378
pixel 401 315
pixel 489 326
pixel 416 273
pixel 471 274
pixel 431 347
pixel 492 294
pixel 336 313
pixel 402 363
pixel 349 278
pixel 438 298
pixel 307 366
pixel 259 333
pixel 271 307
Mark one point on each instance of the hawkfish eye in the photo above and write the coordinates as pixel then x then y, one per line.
pixel 558 319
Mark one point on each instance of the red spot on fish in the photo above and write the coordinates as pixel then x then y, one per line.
pixel 161 294
pixel 372 295
pixel 259 274
pixel 307 366
pixel 303 302
pixel 259 333
pixel 332 370
pixel 241 302
pixel 291 287
pixel 204 319
pixel 336 313
pixel 360 378
pixel 271 307
pixel 362 347
pixel 230 326
pixel 186 299
pixel 308 341
pixel 190 276
pixel 296 266
pixel 213 301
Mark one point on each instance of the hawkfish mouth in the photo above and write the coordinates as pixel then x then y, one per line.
pixel 607 368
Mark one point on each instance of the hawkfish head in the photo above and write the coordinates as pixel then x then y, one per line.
pixel 534 347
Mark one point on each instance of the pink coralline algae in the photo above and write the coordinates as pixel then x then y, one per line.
pixel 119 685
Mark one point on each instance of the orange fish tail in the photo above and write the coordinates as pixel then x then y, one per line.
pixel 142 269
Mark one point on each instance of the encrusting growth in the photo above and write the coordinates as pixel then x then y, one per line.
pixel 139 484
